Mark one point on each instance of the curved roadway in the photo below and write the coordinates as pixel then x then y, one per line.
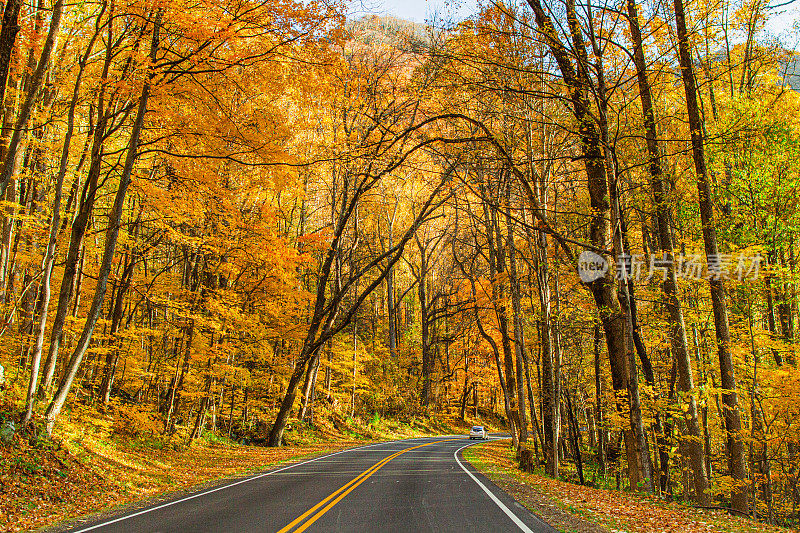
pixel 409 485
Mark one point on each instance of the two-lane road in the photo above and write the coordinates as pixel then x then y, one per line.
pixel 408 485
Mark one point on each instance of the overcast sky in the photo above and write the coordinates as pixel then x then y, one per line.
pixel 417 10
pixel 422 10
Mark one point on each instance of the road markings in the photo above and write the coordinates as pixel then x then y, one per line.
pixel 193 496
pixel 520 524
pixel 338 495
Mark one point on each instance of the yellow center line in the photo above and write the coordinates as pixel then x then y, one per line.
pixel 344 491
pixel 326 500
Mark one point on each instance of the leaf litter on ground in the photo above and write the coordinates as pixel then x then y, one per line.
pixel 595 509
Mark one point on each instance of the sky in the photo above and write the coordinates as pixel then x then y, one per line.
pixel 417 10
pixel 782 23
pixel 422 10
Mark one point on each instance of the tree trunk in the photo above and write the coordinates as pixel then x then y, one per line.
pixel 576 444
pixel 771 324
pixel 613 319
pixel 33 86
pixel 733 423
pixel 276 433
pixel 49 258
pixel 497 265
pixel 390 303
pixel 328 376
pixel 108 253
pixel 308 388
pixel 462 411
pixel 495 350
pixel 8 37
pixel 598 389
pixel 71 278
pixel 475 401
pixel 519 333
pixel 537 430
pixel 169 423
pixel 355 367
pixel 551 384
pixel 499 295
pixel 233 405
pixel 117 308
pixel 425 340
pixel 678 338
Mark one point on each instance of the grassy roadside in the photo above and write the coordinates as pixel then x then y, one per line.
pixel 89 468
pixel 42 486
pixel 571 507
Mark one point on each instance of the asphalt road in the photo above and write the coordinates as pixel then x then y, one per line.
pixel 409 485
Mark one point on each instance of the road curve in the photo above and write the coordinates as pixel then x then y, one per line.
pixel 408 485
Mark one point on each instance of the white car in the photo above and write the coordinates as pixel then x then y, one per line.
pixel 478 432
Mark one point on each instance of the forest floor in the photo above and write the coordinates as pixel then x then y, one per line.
pixel 575 508
pixel 89 466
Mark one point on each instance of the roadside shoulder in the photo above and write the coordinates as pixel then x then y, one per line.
pixel 192 472
pixel 571 507
pixel 493 461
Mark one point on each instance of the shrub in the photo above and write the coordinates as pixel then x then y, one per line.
pixel 133 421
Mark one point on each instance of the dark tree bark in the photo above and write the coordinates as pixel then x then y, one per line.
pixel 390 303
pixel 678 338
pixel 519 333
pixel 598 389
pixel 309 387
pixel 8 37
pixel 575 432
pixel 425 337
pixel 33 86
pixel 615 323
pixel 496 244
pixel 116 318
pixel 733 422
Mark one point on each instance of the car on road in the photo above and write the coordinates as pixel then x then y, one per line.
pixel 478 432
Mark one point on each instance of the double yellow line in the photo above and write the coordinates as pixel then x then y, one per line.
pixel 337 496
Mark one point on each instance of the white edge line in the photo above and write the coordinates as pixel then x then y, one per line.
pixel 520 524
pixel 253 478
